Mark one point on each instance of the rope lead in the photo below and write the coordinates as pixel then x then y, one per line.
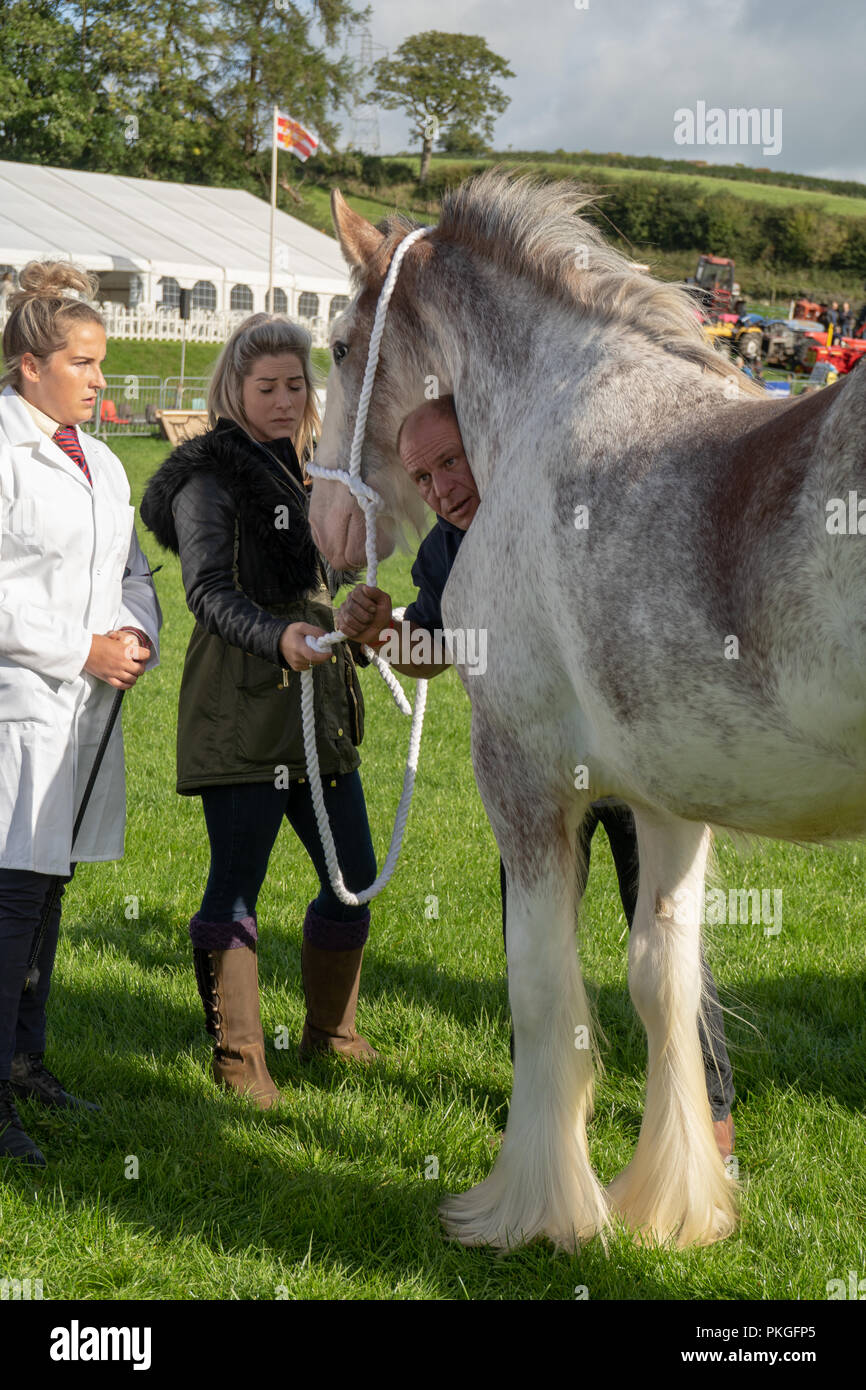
pixel 370 503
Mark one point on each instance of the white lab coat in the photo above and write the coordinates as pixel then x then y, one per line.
pixel 65 549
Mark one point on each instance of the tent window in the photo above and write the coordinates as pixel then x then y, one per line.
pixel 338 304
pixel 203 295
pixel 308 306
pixel 170 292
pixel 241 298
pixel 281 303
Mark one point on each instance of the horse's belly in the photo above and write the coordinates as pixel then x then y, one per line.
pixel 763 786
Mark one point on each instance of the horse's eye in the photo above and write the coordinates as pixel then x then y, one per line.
pixel 340 350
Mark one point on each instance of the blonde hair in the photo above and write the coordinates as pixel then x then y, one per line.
pixel 41 312
pixel 263 335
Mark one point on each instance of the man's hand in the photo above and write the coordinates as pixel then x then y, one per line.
pixel 116 658
pixel 294 648
pixel 365 614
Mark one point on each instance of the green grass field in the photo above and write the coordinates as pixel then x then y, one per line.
pixel 126 356
pixel 329 1198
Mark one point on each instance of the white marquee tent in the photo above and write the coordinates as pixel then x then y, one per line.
pixel 147 240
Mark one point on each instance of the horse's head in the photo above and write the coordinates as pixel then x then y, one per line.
pixel 407 359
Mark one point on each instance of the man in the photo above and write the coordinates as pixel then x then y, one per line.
pixel 846 320
pixel 431 451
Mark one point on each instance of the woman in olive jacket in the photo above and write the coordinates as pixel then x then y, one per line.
pixel 233 505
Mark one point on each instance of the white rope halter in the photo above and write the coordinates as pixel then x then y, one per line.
pixel 370 503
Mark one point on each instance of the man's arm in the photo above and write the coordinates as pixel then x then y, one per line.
pixel 366 617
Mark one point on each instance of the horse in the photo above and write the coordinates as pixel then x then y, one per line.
pixel 674 618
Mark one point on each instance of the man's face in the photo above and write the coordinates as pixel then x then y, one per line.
pixel 431 451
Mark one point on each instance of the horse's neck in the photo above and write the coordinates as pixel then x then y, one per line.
pixel 545 373
pixel 502 369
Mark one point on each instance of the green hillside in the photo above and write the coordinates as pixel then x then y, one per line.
pixel 786 240
pixel 821 200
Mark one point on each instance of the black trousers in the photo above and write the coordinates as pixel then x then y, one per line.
pixel 618 821
pixel 22 1015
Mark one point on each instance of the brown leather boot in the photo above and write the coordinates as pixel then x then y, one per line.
pixel 228 982
pixel 331 980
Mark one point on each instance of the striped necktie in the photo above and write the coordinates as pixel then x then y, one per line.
pixel 67 439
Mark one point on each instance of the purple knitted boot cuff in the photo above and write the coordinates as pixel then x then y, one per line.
pixel 223 936
pixel 328 935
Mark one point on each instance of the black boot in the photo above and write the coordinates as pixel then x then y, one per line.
pixel 14 1143
pixel 32 1081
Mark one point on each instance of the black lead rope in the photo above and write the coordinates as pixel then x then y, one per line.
pixel 32 977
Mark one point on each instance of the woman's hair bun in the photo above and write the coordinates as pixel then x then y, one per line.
pixel 43 309
pixel 53 280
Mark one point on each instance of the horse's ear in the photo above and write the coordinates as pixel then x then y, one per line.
pixel 358 238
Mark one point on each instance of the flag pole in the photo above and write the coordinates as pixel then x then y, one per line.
pixel 269 303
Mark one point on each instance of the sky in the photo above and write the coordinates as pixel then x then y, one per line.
pixel 610 75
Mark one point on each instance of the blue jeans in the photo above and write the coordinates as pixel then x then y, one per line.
pixel 243 821
pixel 23 896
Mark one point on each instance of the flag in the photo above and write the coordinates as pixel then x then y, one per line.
pixel 292 136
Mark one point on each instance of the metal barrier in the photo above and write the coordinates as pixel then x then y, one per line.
pixel 191 396
pixel 129 404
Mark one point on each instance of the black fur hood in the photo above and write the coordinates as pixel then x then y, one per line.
pixel 256 483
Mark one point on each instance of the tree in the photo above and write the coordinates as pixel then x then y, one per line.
pixel 165 89
pixel 40 84
pixel 459 139
pixel 440 80
pixel 270 57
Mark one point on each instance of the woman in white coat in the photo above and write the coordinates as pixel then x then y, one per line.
pixel 79 620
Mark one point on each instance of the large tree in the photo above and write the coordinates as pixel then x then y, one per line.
pixel 442 80
pixel 273 56
pixel 40 84
pixel 166 89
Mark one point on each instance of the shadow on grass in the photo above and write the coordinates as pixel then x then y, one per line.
pixel 217 1172
pixel 804 1029
pixel 240 1181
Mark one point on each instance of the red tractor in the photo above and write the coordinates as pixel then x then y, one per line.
pixel 714 285
pixel 808 309
pixel 843 355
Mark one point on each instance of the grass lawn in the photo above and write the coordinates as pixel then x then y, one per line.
pixel 175 1191
pixel 126 357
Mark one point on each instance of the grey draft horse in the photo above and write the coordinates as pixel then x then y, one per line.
pixel 671 619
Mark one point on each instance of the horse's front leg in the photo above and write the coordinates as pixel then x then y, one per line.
pixel 542 1182
pixel 676 1187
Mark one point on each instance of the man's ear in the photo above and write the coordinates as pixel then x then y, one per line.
pixel 358 238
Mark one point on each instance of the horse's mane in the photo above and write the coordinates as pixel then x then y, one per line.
pixel 535 230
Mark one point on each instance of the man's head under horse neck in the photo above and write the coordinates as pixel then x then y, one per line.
pixel 513 297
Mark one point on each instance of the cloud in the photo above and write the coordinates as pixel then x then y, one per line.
pixel 611 76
